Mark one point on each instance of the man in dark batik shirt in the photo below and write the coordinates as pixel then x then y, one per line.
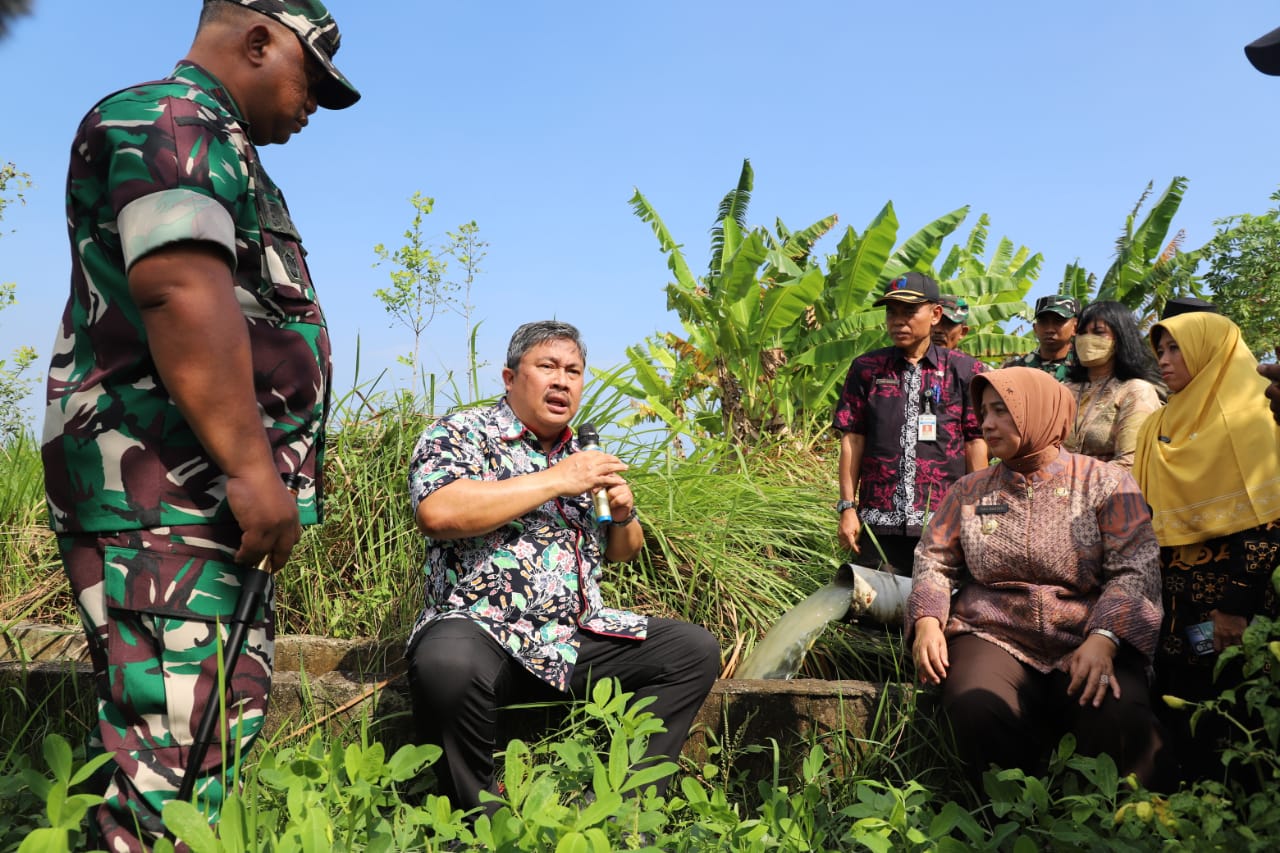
pixel 908 428
pixel 514 612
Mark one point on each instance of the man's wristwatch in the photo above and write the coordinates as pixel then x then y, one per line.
pixel 841 506
pixel 623 522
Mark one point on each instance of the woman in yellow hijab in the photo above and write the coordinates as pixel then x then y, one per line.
pixel 1209 466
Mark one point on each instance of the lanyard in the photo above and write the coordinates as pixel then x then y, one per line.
pixel 1083 419
pixel 930 392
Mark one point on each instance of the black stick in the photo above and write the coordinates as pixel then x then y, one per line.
pixel 252 590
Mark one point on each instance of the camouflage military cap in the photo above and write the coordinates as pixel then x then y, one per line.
pixel 955 308
pixel 318 32
pixel 1065 307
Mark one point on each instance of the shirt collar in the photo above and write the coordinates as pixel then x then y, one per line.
pixel 511 428
pixel 1066 359
pixel 932 356
pixel 189 72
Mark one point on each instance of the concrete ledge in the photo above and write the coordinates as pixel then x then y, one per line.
pixel 28 641
pixel 338 686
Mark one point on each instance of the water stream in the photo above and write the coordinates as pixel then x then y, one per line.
pixel 856 591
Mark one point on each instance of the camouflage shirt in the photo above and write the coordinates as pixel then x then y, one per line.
pixel 533 582
pixel 1057 368
pixel 152 165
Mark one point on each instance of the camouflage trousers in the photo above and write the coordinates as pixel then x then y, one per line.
pixel 155 606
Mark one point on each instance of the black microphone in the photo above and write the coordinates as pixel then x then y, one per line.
pixel 589 439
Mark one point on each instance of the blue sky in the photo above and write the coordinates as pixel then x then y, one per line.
pixel 538 120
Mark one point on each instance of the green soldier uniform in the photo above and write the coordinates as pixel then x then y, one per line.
pixel 144 526
pixel 117 454
pixel 1052 313
pixel 1057 368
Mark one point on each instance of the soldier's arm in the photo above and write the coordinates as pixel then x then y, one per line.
pixel 199 341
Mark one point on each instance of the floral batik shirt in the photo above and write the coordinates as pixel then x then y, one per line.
pixel 902 478
pixel 533 583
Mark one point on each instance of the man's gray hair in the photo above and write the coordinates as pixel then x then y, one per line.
pixel 530 335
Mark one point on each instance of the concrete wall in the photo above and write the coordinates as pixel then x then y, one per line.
pixel 340 685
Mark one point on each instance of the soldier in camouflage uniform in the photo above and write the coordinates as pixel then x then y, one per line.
pixel 1054 327
pixel 188 389
pixel 953 326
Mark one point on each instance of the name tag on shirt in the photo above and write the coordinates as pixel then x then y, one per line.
pixel 928 427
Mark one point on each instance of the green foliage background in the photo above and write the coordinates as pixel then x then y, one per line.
pixel 724 422
pixel 15 380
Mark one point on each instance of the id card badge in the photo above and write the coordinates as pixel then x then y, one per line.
pixel 928 427
pixel 1200 637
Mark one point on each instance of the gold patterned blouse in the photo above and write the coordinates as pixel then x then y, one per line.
pixel 1109 413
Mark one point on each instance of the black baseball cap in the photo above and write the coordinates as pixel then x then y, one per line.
pixel 1065 307
pixel 914 288
pixel 1264 53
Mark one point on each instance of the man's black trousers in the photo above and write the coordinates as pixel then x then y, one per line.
pixel 459 678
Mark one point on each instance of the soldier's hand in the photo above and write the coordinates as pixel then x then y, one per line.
pixel 267 513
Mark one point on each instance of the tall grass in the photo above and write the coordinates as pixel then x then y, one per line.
pixel 31 585
pixel 358 574
pixel 734 538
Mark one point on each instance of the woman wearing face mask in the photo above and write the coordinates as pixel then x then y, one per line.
pixel 1056 610
pixel 1207 463
pixel 1115 384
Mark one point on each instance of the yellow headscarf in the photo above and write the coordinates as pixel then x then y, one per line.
pixel 1209 462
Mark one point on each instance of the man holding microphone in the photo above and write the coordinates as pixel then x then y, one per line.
pixel 513 611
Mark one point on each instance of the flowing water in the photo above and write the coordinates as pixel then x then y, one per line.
pixel 856 591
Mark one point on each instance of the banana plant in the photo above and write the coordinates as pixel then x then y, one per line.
pixel 1147 270
pixel 1078 282
pixel 995 290
pixel 738 320
pixel 844 322
pixel 768 333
